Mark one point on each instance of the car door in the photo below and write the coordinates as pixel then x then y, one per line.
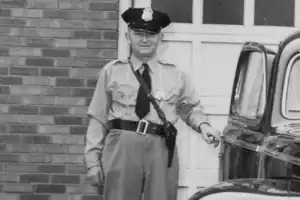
pixel 245 129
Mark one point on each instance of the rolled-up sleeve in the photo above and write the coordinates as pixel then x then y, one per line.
pixel 98 120
pixel 189 107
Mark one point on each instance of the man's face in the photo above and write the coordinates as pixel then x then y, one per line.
pixel 143 44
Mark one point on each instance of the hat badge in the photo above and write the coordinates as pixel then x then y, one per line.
pixel 147 14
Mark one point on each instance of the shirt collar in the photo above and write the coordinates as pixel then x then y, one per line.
pixel 137 63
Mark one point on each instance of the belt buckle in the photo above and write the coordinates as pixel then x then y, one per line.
pixel 142 127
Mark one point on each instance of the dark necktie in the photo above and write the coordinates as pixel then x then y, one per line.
pixel 142 102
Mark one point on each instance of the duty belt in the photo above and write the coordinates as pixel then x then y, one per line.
pixel 142 127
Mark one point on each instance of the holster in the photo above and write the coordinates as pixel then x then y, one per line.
pixel 170 139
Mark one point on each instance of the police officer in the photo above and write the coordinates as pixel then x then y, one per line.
pixel 132 163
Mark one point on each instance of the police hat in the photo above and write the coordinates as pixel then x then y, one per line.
pixel 146 19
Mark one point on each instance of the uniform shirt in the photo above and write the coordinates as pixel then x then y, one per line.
pixel 115 97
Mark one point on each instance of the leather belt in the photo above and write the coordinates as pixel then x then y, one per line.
pixel 142 127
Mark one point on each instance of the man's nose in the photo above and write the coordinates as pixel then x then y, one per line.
pixel 145 38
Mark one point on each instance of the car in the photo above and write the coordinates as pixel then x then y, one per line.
pixel 260 144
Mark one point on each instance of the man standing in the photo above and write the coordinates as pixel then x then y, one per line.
pixel 129 161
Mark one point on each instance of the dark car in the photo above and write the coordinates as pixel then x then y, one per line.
pixel 260 147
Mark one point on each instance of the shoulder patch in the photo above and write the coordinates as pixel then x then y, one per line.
pixel 164 62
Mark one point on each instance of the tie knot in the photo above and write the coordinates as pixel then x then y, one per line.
pixel 146 66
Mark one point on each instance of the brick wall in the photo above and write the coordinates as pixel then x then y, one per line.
pixel 50 55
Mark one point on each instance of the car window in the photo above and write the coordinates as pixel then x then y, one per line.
pixel 251 87
pixel 293 91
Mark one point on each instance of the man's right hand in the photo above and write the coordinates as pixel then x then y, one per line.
pixel 95 176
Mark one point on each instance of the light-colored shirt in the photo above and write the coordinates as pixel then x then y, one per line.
pixel 115 97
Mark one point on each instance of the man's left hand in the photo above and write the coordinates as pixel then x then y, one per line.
pixel 210 135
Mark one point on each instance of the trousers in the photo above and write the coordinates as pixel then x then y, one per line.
pixel 135 167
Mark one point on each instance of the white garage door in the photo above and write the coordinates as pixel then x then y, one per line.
pixel 205 40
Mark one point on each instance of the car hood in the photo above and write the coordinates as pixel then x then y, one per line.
pixel 255 187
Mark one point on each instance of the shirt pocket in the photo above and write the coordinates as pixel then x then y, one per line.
pixel 168 95
pixel 123 94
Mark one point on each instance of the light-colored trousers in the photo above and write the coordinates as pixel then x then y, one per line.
pixel 135 167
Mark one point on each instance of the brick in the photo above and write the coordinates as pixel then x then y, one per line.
pixel 39 42
pixel 55 189
pixel 80 34
pixel 8 177
pixel 9 138
pixel 68 82
pixel 28 13
pixel 30 119
pixel 11 41
pixel 21 148
pixel 22 168
pixel 67 120
pixel 12 60
pixel 34 139
pixel 69 101
pixel 90 197
pixel 13 3
pixel 24 71
pixel 111 15
pixel 59 197
pixel 76 149
pixel 53 110
pixel 24 51
pixel 71 62
pixel 9 158
pixel 107 6
pixel 62 92
pixel 84 73
pixel 39 32
pixel 5 12
pixel 3 129
pixel 12 22
pixel 18 188
pixel 25 90
pixel 4 51
pixel 104 24
pixel 2 167
pixel 92 44
pixel 38 81
pixel 70 43
pixel 4 70
pixel 91 83
pixel 78 111
pixel 43 3
pixel 82 189
pixel 10 80
pixel 67 159
pixel 75 197
pixel 35 158
pixel 22 128
pixel 52 129
pixel 42 23
pixel 2 149
pixel 76 169
pixel 55 72
pixel 74 14
pixel 40 62
pixel 3 109
pixel 21 109
pixel 65 179
pixel 110 35
pixel 34 197
pixel 56 169
pixel 72 24
pixel 56 53
pixel 68 139
pixel 70 4
pixel 82 92
pixel 55 148
pixel 9 196
pixel 30 100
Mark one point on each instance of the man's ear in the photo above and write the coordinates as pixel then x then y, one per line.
pixel 161 37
